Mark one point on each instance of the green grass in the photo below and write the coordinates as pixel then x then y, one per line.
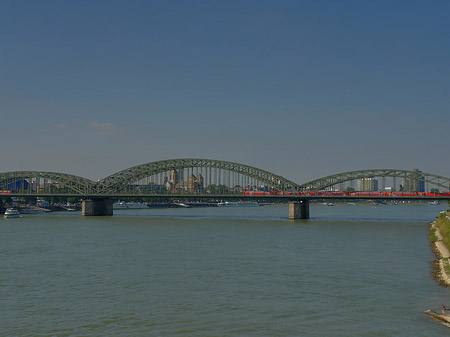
pixel 432 235
pixel 446 267
pixel 443 224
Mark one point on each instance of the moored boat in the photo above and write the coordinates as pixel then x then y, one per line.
pixel 12 213
pixel 238 204
pixel 31 210
pixel 129 205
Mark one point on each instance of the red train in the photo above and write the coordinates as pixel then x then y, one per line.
pixel 352 194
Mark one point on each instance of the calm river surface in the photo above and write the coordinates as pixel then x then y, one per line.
pixel 230 271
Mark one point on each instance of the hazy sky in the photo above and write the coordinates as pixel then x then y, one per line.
pixel 303 89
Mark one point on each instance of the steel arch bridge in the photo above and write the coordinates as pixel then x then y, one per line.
pixel 213 169
pixel 189 172
pixel 214 172
pixel 47 183
pixel 340 178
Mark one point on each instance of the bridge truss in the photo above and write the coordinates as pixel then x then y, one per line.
pixel 409 179
pixel 196 176
pixel 36 182
pixel 170 177
pixel 200 177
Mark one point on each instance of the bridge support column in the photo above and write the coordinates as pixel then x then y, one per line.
pixel 299 209
pixel 97 207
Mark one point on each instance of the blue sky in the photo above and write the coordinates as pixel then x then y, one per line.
pixel 303 89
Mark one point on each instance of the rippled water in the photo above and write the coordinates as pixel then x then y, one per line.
pixel 349 270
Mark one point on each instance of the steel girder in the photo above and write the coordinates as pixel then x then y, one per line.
pixel 116 182
pixel 119 180
pixel 73 183
pixel 325 182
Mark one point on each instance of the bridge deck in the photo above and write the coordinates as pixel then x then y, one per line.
pixel 226 196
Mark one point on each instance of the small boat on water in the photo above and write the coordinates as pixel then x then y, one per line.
pixel 181 204
pixel 439 317
pixel 31 210
pixel 129 205
pixel 238 204
pixel 12 213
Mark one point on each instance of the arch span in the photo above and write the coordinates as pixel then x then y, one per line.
pixel 335 179
pixel 74 184
pixel 120 180
pixel 66 183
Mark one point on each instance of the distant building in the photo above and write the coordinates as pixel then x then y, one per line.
pixel 17 185
pixel 176 183
pixel 367 185
pixel 415 181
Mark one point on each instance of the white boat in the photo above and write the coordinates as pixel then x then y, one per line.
pixel 129 205
pixel 435 202
pixel 237 204
pixel 70 207
pixel 31 210
pixel 12 213
pixel 180 204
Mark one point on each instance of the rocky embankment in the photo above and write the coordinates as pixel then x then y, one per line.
pixel 439 241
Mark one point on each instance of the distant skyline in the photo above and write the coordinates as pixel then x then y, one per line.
pixel 303 89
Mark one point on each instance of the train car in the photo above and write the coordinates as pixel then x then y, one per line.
pixel 350 194
pixel 255 193
pixel 276 193
pixel 440 194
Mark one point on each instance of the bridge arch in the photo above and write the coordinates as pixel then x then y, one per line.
pixel 45 182
pixel 404 175
pixel 118 181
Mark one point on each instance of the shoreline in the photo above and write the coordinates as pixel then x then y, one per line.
pixel 442 254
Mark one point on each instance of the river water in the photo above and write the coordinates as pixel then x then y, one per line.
pixel 229 271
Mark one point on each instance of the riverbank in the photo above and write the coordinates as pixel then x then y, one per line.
pixel 440 242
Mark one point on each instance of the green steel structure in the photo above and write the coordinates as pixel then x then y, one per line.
pixel 193 176
pixel 213 172
pixel 36 182
pixel 160 173
pixel 402 175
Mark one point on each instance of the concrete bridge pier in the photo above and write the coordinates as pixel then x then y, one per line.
pixel 97 207
pixel 299 209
